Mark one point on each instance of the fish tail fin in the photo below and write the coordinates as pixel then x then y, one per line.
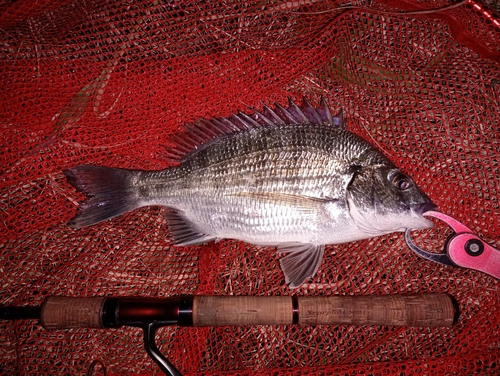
pixel 109 193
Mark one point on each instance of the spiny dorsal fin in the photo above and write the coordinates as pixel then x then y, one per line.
pixel 205 130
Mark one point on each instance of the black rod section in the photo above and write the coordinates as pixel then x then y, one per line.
pixel 20 313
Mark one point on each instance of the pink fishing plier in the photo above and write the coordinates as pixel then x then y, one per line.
pixel 462 249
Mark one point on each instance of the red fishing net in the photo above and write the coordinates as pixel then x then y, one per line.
pixel 109 83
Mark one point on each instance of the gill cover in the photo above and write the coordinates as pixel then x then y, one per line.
pixel 379 203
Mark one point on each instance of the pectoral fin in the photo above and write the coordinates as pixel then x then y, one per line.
pixel 364 224
pixel 301 262
pixel 304 203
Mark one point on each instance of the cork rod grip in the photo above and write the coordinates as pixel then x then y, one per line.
pixel 66 313
pixel 406 310
pixel 242 310
pixel 426 310
pixel 403 310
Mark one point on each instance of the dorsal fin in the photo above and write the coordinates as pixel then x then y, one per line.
pixel 204 130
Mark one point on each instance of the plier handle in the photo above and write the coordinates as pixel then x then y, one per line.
pixel 463 248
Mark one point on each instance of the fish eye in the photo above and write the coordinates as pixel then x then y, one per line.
pixel 401 181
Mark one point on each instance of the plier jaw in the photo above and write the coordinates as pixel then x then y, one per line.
pixel 462 249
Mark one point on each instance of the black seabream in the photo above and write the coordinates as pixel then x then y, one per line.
pixel 293 178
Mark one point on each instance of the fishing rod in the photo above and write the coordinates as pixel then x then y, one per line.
pixel 149 314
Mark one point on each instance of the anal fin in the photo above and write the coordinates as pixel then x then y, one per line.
pixel 183 232
pixel 301 262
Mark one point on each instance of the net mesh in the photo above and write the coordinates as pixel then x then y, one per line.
pixel 109 83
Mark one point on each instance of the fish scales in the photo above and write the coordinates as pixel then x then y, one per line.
pixel 270 179
pixel 298 162
pixel 216 183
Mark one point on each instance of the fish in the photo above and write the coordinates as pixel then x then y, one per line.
pixel 291 177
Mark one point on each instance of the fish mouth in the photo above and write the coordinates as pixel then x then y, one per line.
pixel 424 207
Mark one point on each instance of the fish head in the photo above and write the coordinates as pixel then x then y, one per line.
pixel 382 199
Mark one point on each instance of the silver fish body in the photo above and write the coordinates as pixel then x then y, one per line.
pixel 292 178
